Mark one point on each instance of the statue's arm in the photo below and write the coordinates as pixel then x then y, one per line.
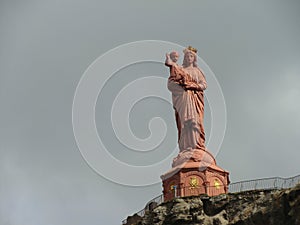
pixel 168 61
pixel 200 86
pixel 195 86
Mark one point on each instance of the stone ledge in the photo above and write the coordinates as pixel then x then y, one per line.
pixel 259 207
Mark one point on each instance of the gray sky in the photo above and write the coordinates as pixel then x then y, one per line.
pixel 45 46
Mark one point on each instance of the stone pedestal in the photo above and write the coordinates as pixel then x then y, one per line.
pixel 194 172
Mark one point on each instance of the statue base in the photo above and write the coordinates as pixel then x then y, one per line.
pixel 194 172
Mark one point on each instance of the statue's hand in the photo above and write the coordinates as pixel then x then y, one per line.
pixel 191 86
pixel 168 61
pixel 194 86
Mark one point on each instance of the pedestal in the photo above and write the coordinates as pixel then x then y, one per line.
pixel 194 172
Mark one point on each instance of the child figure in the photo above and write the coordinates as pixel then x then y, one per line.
pixel 176 73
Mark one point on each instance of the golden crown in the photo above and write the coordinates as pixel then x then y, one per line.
pixel 192 49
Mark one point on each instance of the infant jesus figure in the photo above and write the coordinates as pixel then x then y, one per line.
pixel 177 74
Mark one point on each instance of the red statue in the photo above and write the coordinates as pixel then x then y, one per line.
pixel 194 171
pixel 187 83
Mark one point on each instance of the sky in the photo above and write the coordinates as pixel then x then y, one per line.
pixel 48 50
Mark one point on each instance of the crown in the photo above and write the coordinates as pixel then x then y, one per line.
pixel 192 49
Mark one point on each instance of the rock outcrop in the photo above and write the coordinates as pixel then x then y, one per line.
pixel 259 207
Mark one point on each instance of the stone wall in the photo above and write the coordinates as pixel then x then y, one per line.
pixel 259 207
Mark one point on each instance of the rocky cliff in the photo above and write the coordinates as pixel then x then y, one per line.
pixel 259 207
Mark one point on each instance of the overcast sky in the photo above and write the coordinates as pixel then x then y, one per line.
pixel 252 48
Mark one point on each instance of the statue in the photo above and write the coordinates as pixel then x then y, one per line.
pixel 194 170
pixel 187 83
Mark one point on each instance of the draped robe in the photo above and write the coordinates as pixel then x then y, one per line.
pixel 189 106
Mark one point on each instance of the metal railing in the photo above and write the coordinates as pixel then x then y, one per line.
pixel 265 183
pixel 151 205
pixel 248 185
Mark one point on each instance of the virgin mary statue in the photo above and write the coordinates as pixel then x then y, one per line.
pixel 188 100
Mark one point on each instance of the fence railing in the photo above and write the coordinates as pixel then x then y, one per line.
pixel 264 183
pixel 149 206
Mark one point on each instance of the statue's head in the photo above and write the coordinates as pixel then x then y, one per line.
pixel 190 56
pixel 174 56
